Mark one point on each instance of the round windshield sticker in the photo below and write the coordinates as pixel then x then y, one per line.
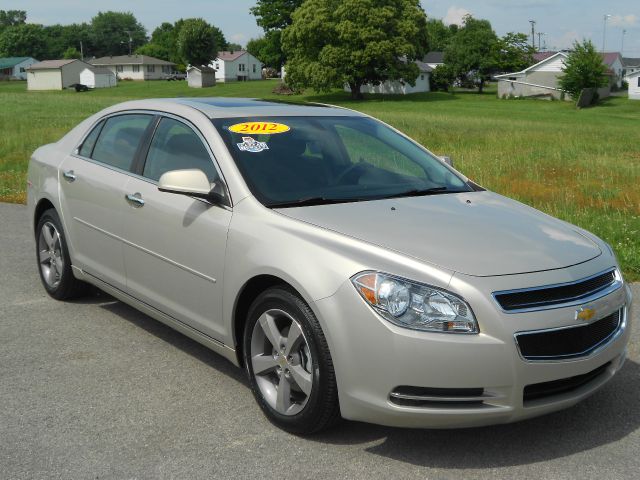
pixel 268 128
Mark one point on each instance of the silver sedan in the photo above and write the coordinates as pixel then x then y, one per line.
pixel 350 271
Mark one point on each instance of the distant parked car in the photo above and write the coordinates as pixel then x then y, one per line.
pixel 79 87
pixel 175 76
pixel 345 267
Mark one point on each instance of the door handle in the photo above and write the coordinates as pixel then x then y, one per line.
pixel 135 200
pixel 69 176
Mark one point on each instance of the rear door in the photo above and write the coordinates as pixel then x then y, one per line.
pixel 175 244
pixel 92 182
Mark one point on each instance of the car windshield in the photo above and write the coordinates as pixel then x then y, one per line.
pixel 297 161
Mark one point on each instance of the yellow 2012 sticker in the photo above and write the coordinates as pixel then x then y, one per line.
pixel 257 128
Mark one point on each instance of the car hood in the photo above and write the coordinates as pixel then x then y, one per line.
pixel 475 233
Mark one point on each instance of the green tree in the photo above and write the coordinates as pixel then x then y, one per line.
pixel 584 68
pixel 514 52
pixel 153 50
pixel 267 49
pixel 336 42
pixel 112 30
pixel 197 42
pixel 233 47
pixel 10 18
pixel 71 52
pixel 472 53
pixel 442 78
pixel 273 16
pixel 439 34
pixel 24 40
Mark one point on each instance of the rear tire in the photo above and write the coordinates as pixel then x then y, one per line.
pixel 54 263
pixel 288 363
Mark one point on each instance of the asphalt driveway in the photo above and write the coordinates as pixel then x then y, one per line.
pixel 94 389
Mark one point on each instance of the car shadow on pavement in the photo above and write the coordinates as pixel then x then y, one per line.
pixel 168 335
pixel 609 415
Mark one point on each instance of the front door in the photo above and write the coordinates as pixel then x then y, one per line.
pixel 174 244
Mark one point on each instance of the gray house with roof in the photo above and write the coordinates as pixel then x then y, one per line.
pixel 135 67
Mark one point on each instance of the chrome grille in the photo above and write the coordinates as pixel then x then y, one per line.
pixel 541 297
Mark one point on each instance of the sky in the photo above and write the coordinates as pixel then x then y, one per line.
pixel 562 21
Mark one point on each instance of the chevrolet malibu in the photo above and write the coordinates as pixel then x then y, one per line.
pixel 347 269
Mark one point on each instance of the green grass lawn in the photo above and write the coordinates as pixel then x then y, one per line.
pixel 579 165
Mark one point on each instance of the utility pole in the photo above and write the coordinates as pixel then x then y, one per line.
pixel 540 35
pixel 130 40
pixel 624 32
pixel 81 51
pixel 604 32
pixel 533 33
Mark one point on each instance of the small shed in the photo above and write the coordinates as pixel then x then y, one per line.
pixel 95 77
pixel 201 77
pixel 634 85
pixel 54 74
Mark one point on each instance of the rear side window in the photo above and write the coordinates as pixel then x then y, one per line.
pixel 87 146
pixel 176 146
pixel 119 140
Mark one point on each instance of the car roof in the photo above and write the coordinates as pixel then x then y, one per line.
pixel 224 107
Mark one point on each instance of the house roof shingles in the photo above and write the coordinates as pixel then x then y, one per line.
pixel 609 58
pixel 10 62
pixel 540 56
pixel 230 56
pixel 631 62
pixel 129 60
pixel 434 57
pixel 51 64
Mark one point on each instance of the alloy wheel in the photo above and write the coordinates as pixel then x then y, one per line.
pixel 281 362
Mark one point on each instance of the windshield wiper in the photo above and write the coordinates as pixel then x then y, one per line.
pixel 421 192
pixel 310 201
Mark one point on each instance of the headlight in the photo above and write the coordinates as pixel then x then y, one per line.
pixel 414 305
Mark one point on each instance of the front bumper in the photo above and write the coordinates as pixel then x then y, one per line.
pixel 372 358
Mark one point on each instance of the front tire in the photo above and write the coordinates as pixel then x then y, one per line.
pixel 54 263
pixel 288 363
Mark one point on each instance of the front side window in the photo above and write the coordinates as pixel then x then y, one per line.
pixel 119 140
pixel 314 160
pixel 151 68
pixel 119 68
pixel 136 68
pixel 175 146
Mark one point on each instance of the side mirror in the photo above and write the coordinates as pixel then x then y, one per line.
pixel 193 183
pixel 447 160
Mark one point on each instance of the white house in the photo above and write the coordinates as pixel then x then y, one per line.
pixel 539 80
pixel 97 77
pixel 201 77
pixel 434 59
pixel 54 74
pixel 613 61
pixel 15 67
pixel 237 66
pixel 634 85
pixel 401 87
pixel 631 65
pixel 135 67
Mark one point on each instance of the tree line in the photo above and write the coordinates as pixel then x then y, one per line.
pixel 186 41
pixel 327 43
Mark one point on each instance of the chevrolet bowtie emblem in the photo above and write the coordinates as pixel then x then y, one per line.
pixel 585 314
